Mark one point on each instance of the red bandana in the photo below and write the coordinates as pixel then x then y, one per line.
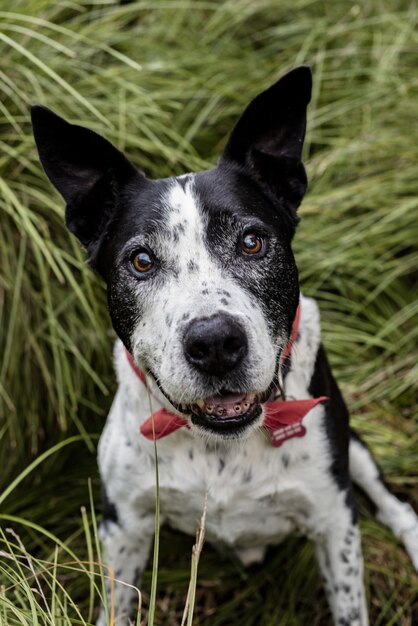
pixel 282 419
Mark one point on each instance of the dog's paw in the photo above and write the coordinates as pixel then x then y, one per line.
pixel 403 522
pixel 251 556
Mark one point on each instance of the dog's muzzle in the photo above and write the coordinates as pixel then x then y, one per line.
pixel 227 412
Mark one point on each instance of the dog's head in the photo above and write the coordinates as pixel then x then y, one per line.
pixel 202 283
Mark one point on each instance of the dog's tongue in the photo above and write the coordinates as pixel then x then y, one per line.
pixel 226 405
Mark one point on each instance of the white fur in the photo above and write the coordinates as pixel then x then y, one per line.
pixel 257 494
pixel 195 294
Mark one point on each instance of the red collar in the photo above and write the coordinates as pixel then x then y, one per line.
pixel 282 418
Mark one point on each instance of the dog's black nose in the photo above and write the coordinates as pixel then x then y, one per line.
pixel 215 345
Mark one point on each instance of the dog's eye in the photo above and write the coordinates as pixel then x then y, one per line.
pixel 142 261
pixel 252 243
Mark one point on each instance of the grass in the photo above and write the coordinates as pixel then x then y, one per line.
pixel 165 80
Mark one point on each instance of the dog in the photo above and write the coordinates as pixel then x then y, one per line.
pixel 219 356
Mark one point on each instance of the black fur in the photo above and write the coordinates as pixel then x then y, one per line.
pixel 86 169
pixel 109 511
pixel 267 141
pixel 337 418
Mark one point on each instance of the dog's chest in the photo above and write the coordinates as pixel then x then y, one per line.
pixel 256 494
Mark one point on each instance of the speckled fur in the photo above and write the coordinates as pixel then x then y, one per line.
pixel 194 227
pixel 257 494
pixel 197 286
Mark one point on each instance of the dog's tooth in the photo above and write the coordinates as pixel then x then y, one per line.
pixel 200 404
pixel 250 396
pixel 246 405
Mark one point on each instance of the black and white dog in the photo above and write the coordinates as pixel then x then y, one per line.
pixel 204 295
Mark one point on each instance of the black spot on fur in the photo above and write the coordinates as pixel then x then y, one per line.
pixel 168 320
pixel 224 301
pixel 122 549
pixel 185 316
pixel 285 460
pixel 221 465
pixel 179 228
pixel 354 615
pixel 351 571
pixel 191 454
pixel 137 575
pixel 344 556
pixel 205 292
pixel 192 266
pixel 110 513
pixel 247 476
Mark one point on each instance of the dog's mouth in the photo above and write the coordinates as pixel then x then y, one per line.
pixel 226 405
pixel 227 412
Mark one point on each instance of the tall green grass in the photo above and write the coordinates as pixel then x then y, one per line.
pixel 165 80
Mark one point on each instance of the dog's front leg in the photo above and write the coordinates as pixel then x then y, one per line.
pixel 340 559
pixel 125 553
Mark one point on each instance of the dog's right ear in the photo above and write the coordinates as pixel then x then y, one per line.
pixel 86 169
pixel 268 138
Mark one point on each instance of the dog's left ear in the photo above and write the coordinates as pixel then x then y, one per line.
pixel 268 138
